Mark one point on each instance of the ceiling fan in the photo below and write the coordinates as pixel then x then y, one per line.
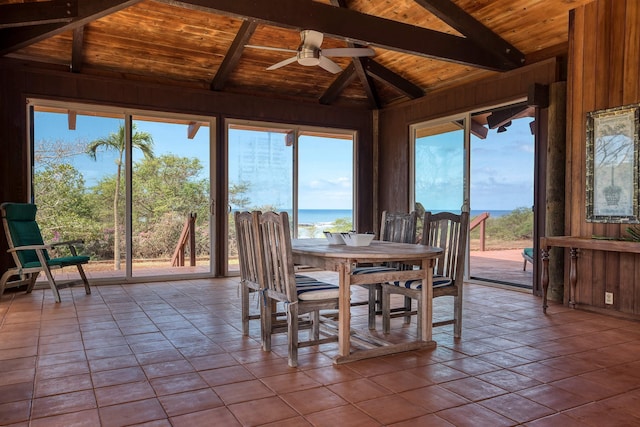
pixel 309 52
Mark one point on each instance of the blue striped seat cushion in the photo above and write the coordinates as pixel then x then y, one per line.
pixel 438 282
pixel 310 289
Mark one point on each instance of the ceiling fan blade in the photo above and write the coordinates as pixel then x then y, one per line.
pixel 283 63
pixel 279 49
pixel 311 38
pixel 349 51
pixel 329 65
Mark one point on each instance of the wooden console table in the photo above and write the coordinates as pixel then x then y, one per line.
pixel 574 243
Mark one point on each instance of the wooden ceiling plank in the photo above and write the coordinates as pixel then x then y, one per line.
pixel 24 14
pixel 12 39
pixel 77 49
pixel 467 25
pixel 355 27
pixel 343 80
pixel 233 55
pixel 398 82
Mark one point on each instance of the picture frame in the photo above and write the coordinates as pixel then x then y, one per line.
pixel 613 154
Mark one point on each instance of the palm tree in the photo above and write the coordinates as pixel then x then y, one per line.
pixel 143 141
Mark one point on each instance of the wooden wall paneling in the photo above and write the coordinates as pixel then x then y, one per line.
pixel 630 265
pixel 600 81
pixel 575 156
pixel 623 299
pixel 617 52
pixel 631 59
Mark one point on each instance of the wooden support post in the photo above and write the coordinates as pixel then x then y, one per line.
pixel 555 189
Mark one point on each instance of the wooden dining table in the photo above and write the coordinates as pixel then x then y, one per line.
pixel 343 259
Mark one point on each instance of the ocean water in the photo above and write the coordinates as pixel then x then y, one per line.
pixel 319 216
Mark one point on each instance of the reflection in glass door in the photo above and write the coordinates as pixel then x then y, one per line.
pixel 306 172
pixel 439 167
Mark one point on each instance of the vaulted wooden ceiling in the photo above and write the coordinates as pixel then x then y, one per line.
pixel 420 46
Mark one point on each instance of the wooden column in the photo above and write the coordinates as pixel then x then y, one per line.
pixel 555 189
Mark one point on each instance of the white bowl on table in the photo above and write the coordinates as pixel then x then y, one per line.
pixel 357 239
pixel 334 238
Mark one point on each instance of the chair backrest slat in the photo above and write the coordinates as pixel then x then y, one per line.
pixel 398 227
pixel 448 231
pixel 247 238
pixel 279 274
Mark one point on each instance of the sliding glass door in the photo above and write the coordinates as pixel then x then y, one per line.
pixel 170 196
pixel 135 187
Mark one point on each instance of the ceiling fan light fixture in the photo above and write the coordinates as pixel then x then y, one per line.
pixel 309 57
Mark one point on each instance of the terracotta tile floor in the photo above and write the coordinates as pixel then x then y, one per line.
pixel 172 354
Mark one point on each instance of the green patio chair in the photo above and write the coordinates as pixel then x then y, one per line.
pixel 30 253
pixel 527 254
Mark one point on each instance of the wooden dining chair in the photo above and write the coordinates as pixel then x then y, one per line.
pixel 299 294
pixel 450 232
pixel 247 240
pixel 398 227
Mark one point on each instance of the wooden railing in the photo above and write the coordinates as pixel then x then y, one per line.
pixel 480 221
pixel 188 235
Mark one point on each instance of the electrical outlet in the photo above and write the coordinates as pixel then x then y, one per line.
pixel 608 298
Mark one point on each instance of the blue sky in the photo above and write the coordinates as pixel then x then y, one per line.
pixel 502 168
pixel 501 165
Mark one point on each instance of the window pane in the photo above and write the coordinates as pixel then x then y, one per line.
pixel 325 185
pixel 74 184
pixel 260 175
pixel 170 197
pixel 439 169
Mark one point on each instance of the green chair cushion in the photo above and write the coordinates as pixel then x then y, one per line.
pixel 60 262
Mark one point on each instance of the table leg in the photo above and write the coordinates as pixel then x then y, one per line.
pixel 573 277
pixel 344 321
pixel 427 301
pixel 545 277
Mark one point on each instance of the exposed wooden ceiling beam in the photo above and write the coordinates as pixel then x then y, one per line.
pixel 77 49
pixel 500 117
pixel 343 80
pixel 478 129
pixel 12 39
pixel 367 83
pixel 233 54
pixel 398 82
pixel 359 64
pixel 192 129
pixel 355 27
pixel 468 26
pixel 72 116
pixel 24 14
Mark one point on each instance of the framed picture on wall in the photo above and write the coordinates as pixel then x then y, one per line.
pixel 612 165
